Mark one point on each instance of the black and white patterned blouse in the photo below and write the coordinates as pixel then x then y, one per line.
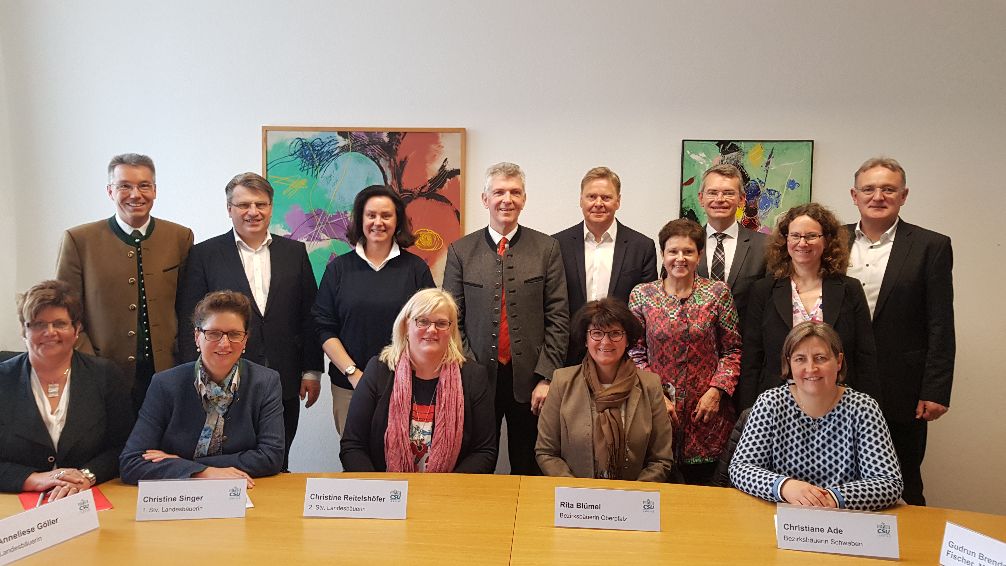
pixel 847 451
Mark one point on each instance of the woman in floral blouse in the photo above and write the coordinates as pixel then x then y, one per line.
pixel 691 341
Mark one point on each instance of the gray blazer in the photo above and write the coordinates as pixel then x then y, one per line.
pixel 747 266
pixel 537 309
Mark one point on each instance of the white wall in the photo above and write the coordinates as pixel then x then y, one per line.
pixel 555 86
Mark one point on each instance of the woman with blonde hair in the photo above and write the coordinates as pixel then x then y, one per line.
pixel 419 407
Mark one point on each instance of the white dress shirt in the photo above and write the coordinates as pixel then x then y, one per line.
pixel 54 421
pixel 729 247
pixel 868 261
pixel 395 252
pixel 129 229
pixel 597 261
pixel 258 268
pixel 496 236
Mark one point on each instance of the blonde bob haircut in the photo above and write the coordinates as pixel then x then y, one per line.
pixel 423 303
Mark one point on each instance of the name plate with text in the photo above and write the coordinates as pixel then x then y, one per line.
pixel 617 509
pixel 38 529
pixel 356 499
pixel 834 531
pixel 964 547
pixel 168 500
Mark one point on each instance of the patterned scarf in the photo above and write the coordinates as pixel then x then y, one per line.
pixel 449 416
pixel 609 432
pixel 216 399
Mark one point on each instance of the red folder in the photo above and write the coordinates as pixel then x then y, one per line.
pixel 32 499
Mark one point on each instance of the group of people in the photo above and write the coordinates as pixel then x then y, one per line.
pixel 834 345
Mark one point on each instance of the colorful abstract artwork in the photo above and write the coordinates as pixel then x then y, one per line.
pixel 318 171
pixel 777 176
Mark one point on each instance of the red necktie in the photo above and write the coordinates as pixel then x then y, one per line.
pixel 504 343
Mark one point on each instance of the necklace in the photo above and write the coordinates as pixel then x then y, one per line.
pixel 52 389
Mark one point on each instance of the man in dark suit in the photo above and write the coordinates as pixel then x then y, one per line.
pixel 272 271
pixel 906 273
pixel 512 309
pixel 126 270
pixel 732 253
pixel 601 256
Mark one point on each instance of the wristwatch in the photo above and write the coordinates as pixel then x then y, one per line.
pixel 349 370
pixel 89 476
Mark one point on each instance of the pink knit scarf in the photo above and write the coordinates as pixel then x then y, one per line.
pixel 449 417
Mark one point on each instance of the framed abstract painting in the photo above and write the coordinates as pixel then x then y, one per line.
pixel 317 172
pixel 776 174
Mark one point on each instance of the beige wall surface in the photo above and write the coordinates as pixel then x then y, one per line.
pixel 558 87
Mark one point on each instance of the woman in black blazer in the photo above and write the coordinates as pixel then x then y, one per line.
pixel 807 256
pixel 64 416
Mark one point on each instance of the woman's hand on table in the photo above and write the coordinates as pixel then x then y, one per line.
pixel 211 473
pixel 802 493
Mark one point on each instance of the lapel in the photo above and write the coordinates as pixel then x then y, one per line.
pixel 703 268
pixel 832 293
pixel 579 259
pixel 81 402
pixel 277 273
pixel 27 422
pixel 900 251
pixel 782 297
pixel 740 254
pixel 617 258
pixel 234 270
pixel 630 408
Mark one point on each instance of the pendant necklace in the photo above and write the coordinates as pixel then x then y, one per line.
pixel 52 389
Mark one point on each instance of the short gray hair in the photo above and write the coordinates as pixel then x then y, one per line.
pixel 503 169
pixel 889 163
pixel 132 160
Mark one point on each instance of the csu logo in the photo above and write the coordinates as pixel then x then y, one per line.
pixel 83 505
pixel 884 530
pixel 234 493
pixel 395 495
pixel 648 505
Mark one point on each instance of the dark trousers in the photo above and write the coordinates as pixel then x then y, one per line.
pixel 291 416
pixel 141 381
pixel 910 445
pixel 521 425
pixel 698 474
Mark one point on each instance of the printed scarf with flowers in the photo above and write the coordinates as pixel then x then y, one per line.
pixel 216 400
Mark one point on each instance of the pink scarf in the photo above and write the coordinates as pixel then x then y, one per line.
pixel 450 420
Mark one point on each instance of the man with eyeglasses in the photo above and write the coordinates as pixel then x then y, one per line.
pixel 513 315
pixel 906 272
pixel 601 256
pixel 275 274
pixel 126 270
pixel 732 253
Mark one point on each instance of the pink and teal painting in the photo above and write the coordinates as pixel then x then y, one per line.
pixel 776 176
pixel 317 173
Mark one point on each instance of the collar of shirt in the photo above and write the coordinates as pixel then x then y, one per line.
pixel 243 244
pixel 608 235
pixel 887 236
pixel 129 229
pixel 732 231
pixel 496 236
pixel 395 252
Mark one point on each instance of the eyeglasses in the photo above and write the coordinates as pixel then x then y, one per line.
pixel 596 334
pixel 144 188
pixel 424 323
pixel 218 335
pixel 809 238
pixel 57 325
pixel 246 206
pixel 886 190
pixel 727 195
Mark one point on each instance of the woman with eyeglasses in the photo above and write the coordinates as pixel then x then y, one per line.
pixel 806 256
pixel 814 441
pixel 692 342
pixel 64 416
pixel 217 417
pixel 421 407
pixel 605 418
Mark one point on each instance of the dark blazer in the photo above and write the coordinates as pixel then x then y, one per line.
pixel 363 440
pixel 537 309
pixel 172 417
pixel 634 262
pixel 283 338
pixel 770 318
pixel 913 322
pixel 747 267
pixel 98 419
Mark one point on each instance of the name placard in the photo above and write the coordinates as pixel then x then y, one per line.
pixel 964 547
pixel 817 529
pixel 168 500
pixel 617 509
pixel 40 528
pixel 356 499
